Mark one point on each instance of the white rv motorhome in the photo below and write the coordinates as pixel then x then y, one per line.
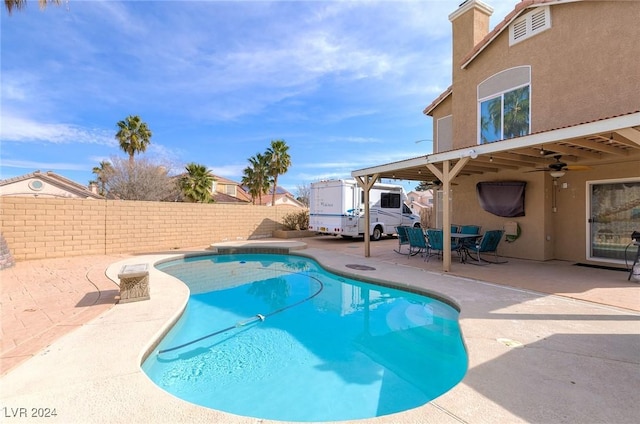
pixel 337 207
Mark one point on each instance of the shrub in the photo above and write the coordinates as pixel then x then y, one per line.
pixel 296 220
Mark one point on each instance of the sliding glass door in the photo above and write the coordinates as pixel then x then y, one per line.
pixel 614 213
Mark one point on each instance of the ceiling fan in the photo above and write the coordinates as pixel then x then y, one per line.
pixel 558 168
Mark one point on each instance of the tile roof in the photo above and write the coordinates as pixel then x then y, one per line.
pixel 438 100
pixel 517 11
pixel 226 198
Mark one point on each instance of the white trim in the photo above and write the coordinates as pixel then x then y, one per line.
pixel 501 96
pixel 530 24
pixel 495 94
pixel 468 5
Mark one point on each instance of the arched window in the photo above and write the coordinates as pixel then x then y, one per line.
pixel 503 105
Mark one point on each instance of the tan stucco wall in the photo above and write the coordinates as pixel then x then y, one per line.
pixel 466 210
pixel 570 222
pixel 50 228
pixel 566 228
pixel 585 67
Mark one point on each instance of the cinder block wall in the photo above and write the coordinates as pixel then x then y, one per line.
pixel 51 228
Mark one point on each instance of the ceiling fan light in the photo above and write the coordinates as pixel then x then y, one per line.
pixel 556 174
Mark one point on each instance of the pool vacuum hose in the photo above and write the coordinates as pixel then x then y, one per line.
pixel 255 318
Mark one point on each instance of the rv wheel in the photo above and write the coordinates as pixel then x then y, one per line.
pixel 377 234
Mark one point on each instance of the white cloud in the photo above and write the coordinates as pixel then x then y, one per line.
pixel 229 171
pixel 8 163
pixel 28 130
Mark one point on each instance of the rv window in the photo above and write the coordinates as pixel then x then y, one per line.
pixel 390 200
pixel 405 209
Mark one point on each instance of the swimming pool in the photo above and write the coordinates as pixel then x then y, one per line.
pixel 278 337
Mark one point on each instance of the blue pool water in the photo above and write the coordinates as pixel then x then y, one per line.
pixel 278 337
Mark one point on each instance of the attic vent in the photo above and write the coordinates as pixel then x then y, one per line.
pixel 538 20
pixel 519 29
pixel 528 25
pixel 36 185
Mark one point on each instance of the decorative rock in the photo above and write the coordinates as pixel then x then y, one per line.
pixel 6 259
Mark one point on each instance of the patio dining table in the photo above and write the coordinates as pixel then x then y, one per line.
pixel 460 238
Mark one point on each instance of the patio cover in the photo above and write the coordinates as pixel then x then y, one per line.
pixel 605 141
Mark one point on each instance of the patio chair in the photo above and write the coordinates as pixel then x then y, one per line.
pixel 469 229
pixel 487 244
pixel 403 239
pixel 436 246
pixel 417 241
pixel 435 239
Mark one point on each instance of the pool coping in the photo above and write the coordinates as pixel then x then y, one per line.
pixel 104 383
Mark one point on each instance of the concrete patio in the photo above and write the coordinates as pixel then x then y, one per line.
pixel 577 328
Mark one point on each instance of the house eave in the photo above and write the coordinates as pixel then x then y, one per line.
pixel 519 149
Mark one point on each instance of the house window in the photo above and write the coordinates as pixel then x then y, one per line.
pixel 503 105
pixel 230 189
pixel 530 24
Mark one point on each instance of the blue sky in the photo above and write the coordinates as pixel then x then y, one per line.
pixel 344 83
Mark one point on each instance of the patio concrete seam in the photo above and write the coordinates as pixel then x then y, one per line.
pixel 446 411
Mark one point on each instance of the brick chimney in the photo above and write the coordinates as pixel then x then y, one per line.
pixel 470 24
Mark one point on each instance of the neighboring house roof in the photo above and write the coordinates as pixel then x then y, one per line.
pixel 52 185
pixel 421 206
pixel 227 198
pixel 241 194
pixel 504 24
pixel 283 198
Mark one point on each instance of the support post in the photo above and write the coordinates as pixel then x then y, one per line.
pixel 366 184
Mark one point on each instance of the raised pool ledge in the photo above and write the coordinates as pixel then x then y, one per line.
pixel 257 246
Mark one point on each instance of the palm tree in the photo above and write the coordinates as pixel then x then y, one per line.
pixel 134 136
pixel 256 177
pixel 279 163
pixel 197 183
pixel 516 113
pixel 20 4
pixel 103 172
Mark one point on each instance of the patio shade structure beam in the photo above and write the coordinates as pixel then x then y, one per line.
pixel 366 182
pixel 446 176
pixel 604 141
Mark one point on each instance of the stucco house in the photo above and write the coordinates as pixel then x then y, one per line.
pixel 228 191
pixel 421 204
pixel 47 185
pixel 283 198
pixel 545 109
